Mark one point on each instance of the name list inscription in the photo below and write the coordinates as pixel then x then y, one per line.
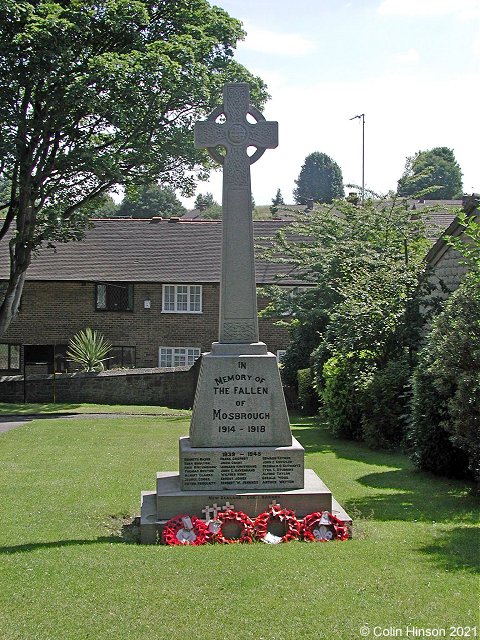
pixel 250 469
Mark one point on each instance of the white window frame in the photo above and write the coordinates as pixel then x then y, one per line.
pixel 280 354
pixel 180 290
pixel 174 354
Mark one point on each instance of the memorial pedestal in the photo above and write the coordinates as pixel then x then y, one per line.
pixel 246 461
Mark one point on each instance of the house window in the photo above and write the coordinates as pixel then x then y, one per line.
pixel 114 296
pixel 10 357
pixel 280 354
pixel 121 357
pixel 182 298
pixel 177 356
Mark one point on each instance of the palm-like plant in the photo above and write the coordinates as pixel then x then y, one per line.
pixel 89 349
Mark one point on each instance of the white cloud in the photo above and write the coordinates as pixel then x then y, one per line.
pixel 407 57
pixel 464 8
pixel 276 43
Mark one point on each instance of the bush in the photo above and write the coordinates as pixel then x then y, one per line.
pixel 446 394
pixel 385 406
pixel 89 349
pixel 345 380
pixel 307 398
pixel 428 442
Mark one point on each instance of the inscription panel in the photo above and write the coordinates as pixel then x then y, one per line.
pixel 242 468
pixel 239 402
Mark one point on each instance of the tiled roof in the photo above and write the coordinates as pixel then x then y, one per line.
pixel 156 250
pixel 135 250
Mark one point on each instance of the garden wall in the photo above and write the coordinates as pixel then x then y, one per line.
pixel 166 387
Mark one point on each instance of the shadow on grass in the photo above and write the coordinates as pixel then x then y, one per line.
pixel 417 496
pixel 314 436
pixel 456 549
pixel 34 546
pixel 122 530
pixel 28 408
pixel 405 493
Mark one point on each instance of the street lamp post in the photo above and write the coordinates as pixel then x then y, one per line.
pixel 362 117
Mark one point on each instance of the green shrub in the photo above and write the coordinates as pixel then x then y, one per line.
pixel 89 349
pixel 446 393
pixel 385 406
pixel 307 398
pixel 428 442
pixel 345 379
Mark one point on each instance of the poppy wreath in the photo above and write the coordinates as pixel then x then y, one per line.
pixel 241 519
pixel 313 520
pixel 285 516
pixel 198 532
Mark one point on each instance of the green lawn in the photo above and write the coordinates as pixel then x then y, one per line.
pixel 66 573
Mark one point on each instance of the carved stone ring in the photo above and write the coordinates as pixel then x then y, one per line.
pixel 236 133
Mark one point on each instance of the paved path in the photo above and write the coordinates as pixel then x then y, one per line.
pixel 10 422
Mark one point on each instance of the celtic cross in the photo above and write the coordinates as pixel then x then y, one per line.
pixel 238 321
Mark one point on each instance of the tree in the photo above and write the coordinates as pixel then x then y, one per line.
pixel 277 201
pixel 446 391
pixel 107 207
pixel 434 173
pixel 320 179
pixel 96 93
pixel 149 201
pixel 203 201
pixel 362 263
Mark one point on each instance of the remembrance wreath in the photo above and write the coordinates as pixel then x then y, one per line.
pixel 185 530
pixel 241 519
pixel 284 516
pixel 322 527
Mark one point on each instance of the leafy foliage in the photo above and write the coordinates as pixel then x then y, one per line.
pixel 434 172
pixel 446 400
pixel 385 406
pixel 362 266
pixel 204 200
pixel 149 201
pixel 307 399
pixel 346 378
pixel 358 324
pixel 89 349
pixel 276 202
pixel 97 93
pixel 320 179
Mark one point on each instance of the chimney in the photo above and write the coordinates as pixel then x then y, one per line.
pixel 353 197
pixel 309 204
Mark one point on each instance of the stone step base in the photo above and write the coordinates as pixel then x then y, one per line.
pixel 169 500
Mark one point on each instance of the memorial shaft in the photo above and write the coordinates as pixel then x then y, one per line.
pixel 238 321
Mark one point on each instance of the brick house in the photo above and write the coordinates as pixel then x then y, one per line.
pixel 446 263
pixel 151 287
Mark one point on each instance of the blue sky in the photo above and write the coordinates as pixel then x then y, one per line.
pixel 412 66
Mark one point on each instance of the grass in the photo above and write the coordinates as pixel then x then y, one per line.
pixel 67 574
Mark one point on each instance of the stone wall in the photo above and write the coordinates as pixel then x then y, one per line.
pixel 165 387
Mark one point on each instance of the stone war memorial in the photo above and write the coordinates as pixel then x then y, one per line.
pixel 240 455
